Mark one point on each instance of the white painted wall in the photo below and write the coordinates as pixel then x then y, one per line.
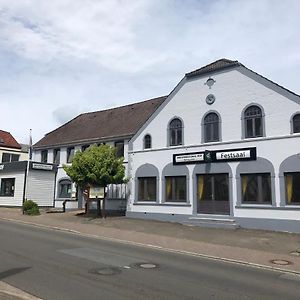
pixel 17 199
pixel 234 91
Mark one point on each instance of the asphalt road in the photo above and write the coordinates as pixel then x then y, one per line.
pixel 57 265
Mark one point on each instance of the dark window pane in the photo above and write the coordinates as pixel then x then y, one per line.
pixel 176 189
pixel 120 148
pixel 179 137
pixel 7 187
pixel 258 127
pixel 215 132
pixel 296 123
pixel 208 189
pixel 147 189
pixel 56 156
pixel 15 157
pixel 147 141
pixel 65 189
pixel 175 132
pixel 5 157
pixel 169 188
pixel 221 187
pixel 256 188
pixel 249 128
pixel 70 154
pixel 44 156
pixel 211 128
pixel 253 122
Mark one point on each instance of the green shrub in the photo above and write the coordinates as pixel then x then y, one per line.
pixel 30 208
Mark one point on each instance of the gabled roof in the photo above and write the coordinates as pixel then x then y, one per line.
pixel 107 124
pixel 220 64
pixel 8 141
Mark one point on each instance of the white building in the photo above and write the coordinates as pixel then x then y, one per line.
pixel 222 149
pixel 114 127
pixel 18 184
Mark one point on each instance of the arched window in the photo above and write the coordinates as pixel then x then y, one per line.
pixel 65 189
pixel 253 119
pixel 296 123
pixel 211 128
pixel 175 132
pixel 147 141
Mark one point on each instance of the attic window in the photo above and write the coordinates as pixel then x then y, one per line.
pixel 1 141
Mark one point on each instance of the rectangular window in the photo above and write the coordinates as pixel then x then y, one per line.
pixel 8 157
pixel 213 187
pixel 7 187
pixel 175 188
pixel 120 148
pixel 292 188
pixel 44 156
pixel 147 189
pixel 256 188
pixel 70 154
pixel 56 156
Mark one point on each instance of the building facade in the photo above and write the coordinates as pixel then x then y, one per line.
pixel 18 184
pixel 222 149
pixel 113 127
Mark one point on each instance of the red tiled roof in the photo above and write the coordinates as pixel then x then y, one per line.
pixel 8 141
pixel 102 125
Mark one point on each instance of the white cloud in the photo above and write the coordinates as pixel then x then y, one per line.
pixel 86 55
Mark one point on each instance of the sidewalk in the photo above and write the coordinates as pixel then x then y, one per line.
pixel 246 246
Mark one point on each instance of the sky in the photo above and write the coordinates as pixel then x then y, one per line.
pixel 60 58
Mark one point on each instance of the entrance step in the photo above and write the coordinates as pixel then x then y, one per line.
pixel 212 222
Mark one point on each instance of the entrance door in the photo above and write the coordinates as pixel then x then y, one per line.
pixel 213 194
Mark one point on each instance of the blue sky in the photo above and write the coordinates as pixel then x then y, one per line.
pixel 60 58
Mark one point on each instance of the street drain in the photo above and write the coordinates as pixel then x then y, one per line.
pixel 146 265
pixel 295 253
pixel 106 271
pixel 281 262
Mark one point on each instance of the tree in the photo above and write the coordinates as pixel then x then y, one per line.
pixel 96 166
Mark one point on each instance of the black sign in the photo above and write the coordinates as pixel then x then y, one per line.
pixel 209 156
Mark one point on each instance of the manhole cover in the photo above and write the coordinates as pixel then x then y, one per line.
pixel 106 271
pixel 281 262
pixel 146 265
pixel 295 253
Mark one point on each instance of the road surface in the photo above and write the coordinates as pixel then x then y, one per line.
pixel 59 265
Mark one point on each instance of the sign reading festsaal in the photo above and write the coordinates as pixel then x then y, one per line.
pixel 209 156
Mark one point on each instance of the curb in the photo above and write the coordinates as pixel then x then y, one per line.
pixel 206 256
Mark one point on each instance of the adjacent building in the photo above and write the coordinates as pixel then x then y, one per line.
pixel 114 127
pixel 20 180
pixel 10 149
